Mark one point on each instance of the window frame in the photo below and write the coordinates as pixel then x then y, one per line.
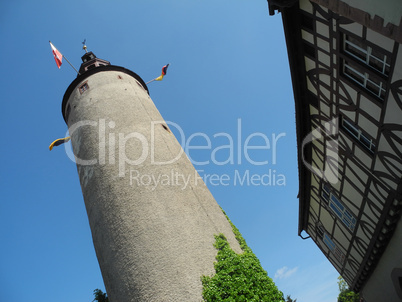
pixel 359 67
pixel 368 53
pixel 83 87
pixel 367 79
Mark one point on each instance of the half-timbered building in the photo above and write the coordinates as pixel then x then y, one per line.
pixel 345 59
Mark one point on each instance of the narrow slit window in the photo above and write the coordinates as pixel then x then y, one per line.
pixel 165 127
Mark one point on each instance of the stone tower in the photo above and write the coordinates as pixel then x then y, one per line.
pixel 152 218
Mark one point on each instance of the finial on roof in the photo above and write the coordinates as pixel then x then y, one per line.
pixel 84 47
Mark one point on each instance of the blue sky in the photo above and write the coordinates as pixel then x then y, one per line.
pixel 228 65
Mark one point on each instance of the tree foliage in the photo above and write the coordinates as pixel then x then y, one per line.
pixel 345 293
pixel 289 299
pixel 100 296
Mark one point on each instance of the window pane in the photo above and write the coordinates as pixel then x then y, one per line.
pixel 365 141
pixel 374 58
pixel 328 242
pixel 373 85
pixel 346 222
pixel 337 203
pixel 347 214
pixel 320 230
pixel 354 74
pixel 355 47
pixel 379 61
pixel 364 79
pixel 349 127
pixel 336 211
pixel 376 63
pixel 338 208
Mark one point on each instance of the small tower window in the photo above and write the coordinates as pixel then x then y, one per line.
pixel 84 87
pixel 165 127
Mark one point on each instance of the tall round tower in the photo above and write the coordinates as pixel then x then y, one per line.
pixel 152 218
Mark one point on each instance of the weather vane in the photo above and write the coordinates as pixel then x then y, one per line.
pixel 84 47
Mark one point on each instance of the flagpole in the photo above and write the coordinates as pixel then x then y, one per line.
pixel 71 64
pixel 149 81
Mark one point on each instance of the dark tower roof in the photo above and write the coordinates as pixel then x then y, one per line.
pixel 91 65
pixel 89 61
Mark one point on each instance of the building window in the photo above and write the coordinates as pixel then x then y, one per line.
pixel 357 134
pixel 328 242
pixel 333 248
pixel 364 79
pixel 338 208
pixel 84 87
pixel 358 49
pixel 336 252
pixel 366 65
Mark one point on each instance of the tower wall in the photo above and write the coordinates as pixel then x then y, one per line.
pixel 153 242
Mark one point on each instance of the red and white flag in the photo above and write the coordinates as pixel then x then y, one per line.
pixel 57 55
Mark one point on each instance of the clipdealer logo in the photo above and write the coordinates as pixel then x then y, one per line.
pixel 181 181
pixel 129 152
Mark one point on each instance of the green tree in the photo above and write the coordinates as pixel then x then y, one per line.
pixel 343 286
pixel 100 296
pixel 289 299
pixel 345 293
